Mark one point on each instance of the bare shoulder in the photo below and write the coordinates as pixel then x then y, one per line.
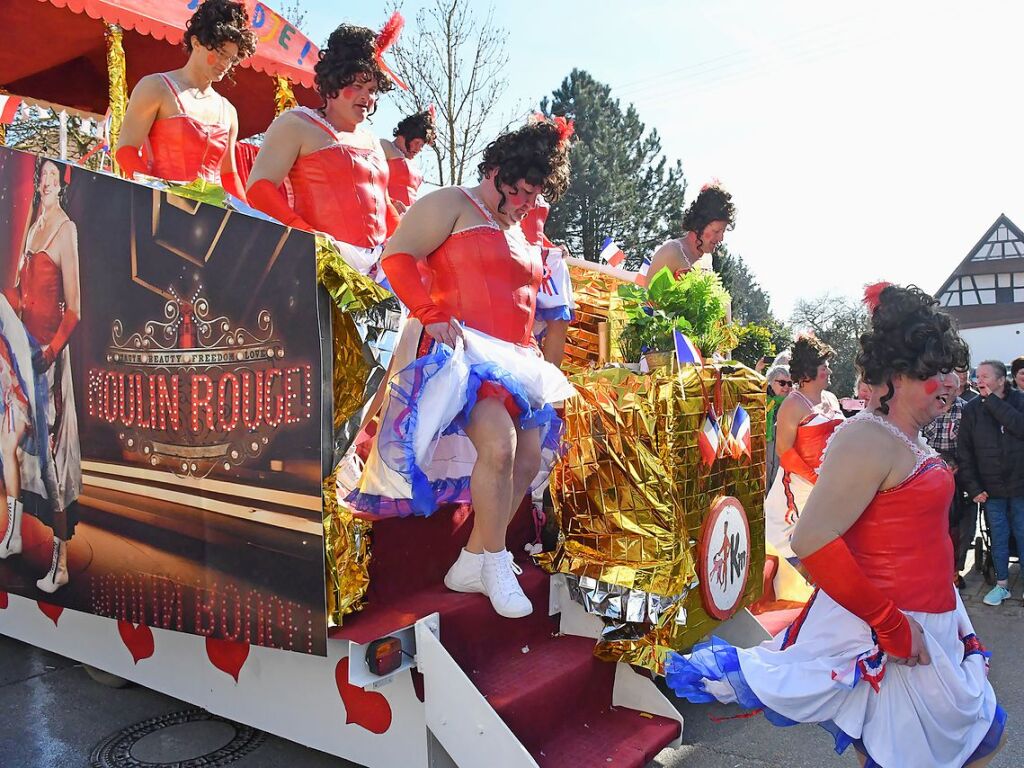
pixel 445 197
pixel 151 86
pixel 391 152
pixel 793 407
pixel 863 440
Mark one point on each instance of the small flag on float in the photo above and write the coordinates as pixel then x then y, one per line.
pixel 611 254
pixel 8 108
pixel 645 265
pixel 686 350
pixel 709 440
pixel 739 432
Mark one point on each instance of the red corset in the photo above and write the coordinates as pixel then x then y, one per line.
pixel 404 180
pixel 183 149
pixel 902 543
pixel 42 293
pixel 488 279
pixel 342 190
pixel 811 438
pixel 534 221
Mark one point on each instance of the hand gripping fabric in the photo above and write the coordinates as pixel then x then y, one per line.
pixel 266 197
pixel 793 462
pixel 130 161
pixel 404 277
pixel 837 573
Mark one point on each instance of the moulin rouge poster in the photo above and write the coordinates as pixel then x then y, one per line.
pixel 161 378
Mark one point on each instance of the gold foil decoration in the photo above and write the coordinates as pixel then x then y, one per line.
pixel 349 289
pixel 117 87
pixel 631 494
pixel 347 541
pixel 351 369
pixel 597 302
pixel 284 96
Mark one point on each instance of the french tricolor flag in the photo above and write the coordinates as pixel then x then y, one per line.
pixel 611 254
pixel 740 432
pixel 8 108
pixel 686 350
pixel 709 439
pixel 645 265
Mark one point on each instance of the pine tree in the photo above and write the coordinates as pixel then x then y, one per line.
pixel 622 186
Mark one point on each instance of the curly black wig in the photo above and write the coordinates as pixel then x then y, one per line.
pixel 1015 367
pixel 417 126
pixel 712 204
pixel 909 336
pixel 351 53
pixel 537 153
pixel 808 353
pixel 217 22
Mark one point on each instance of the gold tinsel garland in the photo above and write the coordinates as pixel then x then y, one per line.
pixel 284 96
pixel 116 84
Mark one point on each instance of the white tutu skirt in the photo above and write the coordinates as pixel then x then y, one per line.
pixel 421 457
pixel 782 508
pixel 826 668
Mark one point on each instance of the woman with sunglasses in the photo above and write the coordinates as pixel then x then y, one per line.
pixel 177 127
pixel 780 384
pixel 806 419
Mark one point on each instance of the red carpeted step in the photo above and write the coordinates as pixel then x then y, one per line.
pixel 557 699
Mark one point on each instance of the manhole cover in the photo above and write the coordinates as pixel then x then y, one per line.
pixel 190 739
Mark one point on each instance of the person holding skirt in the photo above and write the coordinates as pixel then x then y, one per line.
pixel 468 416
pixel 884 656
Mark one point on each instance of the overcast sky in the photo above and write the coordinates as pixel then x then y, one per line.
pixel 860 141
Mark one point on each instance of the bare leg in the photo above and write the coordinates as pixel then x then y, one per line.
pixel 554 341
pixel 526 467
pixel 494 436
pixel 11 492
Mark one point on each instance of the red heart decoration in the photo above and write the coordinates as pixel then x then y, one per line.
pixel 137 639
pixel 367 709
pixel 3 600
pixel 226 655
pixel 51 611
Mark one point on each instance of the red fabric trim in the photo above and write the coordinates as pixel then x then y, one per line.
pixel 166 21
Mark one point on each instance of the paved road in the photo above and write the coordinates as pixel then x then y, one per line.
pixel 52 714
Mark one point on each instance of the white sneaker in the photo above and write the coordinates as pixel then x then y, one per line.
pixel 464 575
pixel 501 585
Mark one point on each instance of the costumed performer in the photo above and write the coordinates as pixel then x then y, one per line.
pixel 176 126
pixel 805 421
pixel 37 321
pixel 710 214
pixel 412 134
pixel 337 170
pixel 468 417
pixel 884 655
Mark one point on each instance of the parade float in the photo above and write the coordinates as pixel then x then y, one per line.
pixel 223 366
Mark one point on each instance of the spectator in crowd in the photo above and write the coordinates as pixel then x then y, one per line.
pixel 942 435
pixel 967 390
pixel 991 467
pixel 1017 373
pixel 780 384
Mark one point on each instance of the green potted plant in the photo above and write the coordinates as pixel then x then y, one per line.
pixel 695 304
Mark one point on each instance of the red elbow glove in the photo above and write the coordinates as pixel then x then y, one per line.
pixel 232 184
pixel 130 161
pixel 267 198
pixel 834 569
pixel 793 462
pixel 404 277
pixel 44 357
pixel 391 219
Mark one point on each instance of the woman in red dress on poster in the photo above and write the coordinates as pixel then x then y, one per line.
pixel 177 127
pixel 469 416
pixel 412 134
pixel 47 300
pixel 337 169
pixel 710 214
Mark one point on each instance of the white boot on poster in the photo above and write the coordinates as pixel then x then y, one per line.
pixel 58 575
pixel 11 544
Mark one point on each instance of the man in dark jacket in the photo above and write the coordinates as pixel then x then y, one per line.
pixel 991 451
